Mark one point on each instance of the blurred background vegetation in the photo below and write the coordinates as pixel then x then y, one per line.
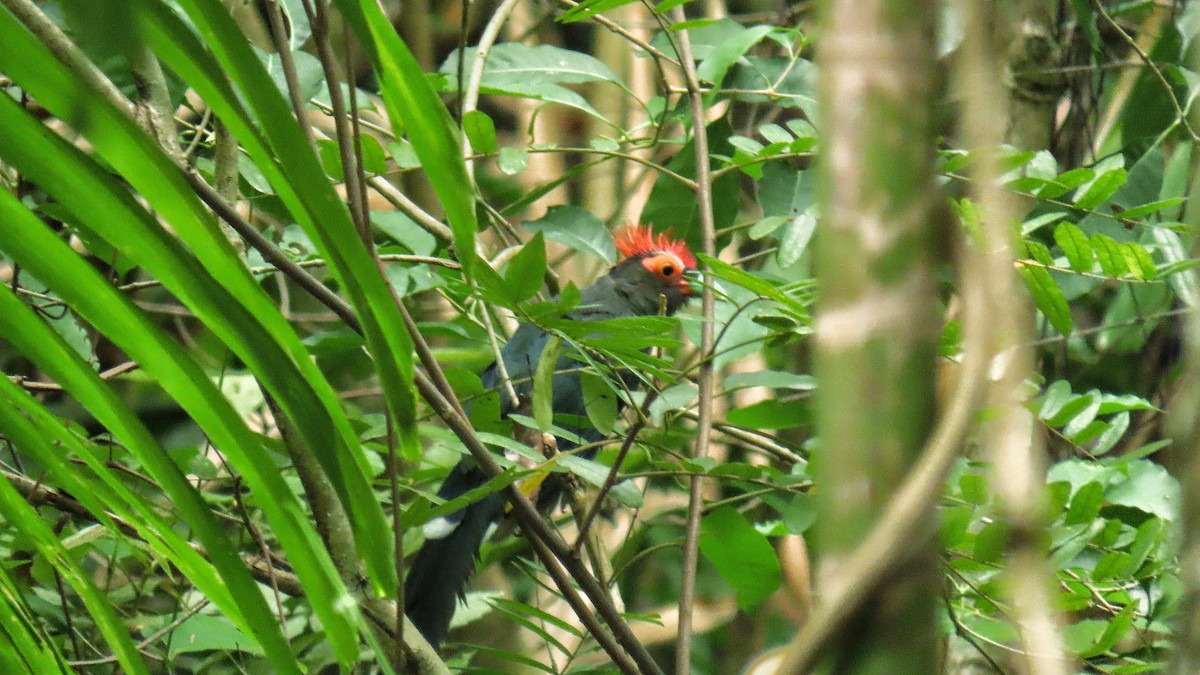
pixel 253 252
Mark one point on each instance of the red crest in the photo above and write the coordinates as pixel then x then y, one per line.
pixel 636 240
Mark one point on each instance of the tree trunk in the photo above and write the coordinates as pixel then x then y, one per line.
pixel 877 323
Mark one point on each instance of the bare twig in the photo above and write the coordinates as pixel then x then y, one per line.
pixel 110 373
pixel 470 94
pixel 347 140
pixel 1181 116
pixel 283 50
pixel 691 547
pixel 1017 458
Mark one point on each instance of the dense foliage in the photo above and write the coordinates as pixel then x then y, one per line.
pixel 213 315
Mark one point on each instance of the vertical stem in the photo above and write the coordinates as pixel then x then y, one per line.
pixel 319 18
pixel 283 50
pixel 1184 425
pixel 225 180
pixel 470 93
pixel 691 544
pixel 877 321
pixel 1017 459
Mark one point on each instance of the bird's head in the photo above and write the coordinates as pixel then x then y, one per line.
pixel 651 266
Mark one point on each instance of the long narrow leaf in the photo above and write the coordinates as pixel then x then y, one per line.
pixel 248 330
pixel 37 432
pixel 24 646
pixel 277 145
pixel 21 516
pixel 46 256
pixel 415 107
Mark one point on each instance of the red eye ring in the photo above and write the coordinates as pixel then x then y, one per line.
pixel 666 266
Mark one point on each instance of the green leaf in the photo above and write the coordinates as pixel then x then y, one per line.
pixel 247 321
pixel 714 67
pixel 673 205
pixel 785 190
pixel 1117 628
pixel 667 5
pixel 753 283
pixel 1139 261
pixel 1082 637
pixel 403 154
pixel 590 8
pixel 1034 224
pixel 204 632
pixel 404 231
pixel 19 514
pixel 25 238
pixel 991 541
pixel 538 72
pixel 374 159
pixel 512 161
pixel 772 414
pixel 1146 209
pixel 531 618
pixel 578 229
pixel 741 555
pixel 1101 189
pixel 1076 406
pixel 1109 254
pixel 416 108
pixel 278 146
pixel 1075 246
pixel 767 226
pixel 1039 252
pixel 1067 181
pixel 954 521
pixel 1048 297
pixel 1056 396
pixel 600 401
pixel 480 131
pixel 776 379
pixel 543 384
pixel 974 488
pixel 1149 535
pixel 1112 434
pixel 1084 417
pixel 25 647
pixel 795 237
pixel 1085 505
pixel 594 473
pixel 1111 403
pixel 1148 487
pixel 1087 21
pixel 526 270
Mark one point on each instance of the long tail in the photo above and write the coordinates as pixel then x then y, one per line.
pixel 440 571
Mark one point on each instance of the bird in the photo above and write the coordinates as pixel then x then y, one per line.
pixel 654 274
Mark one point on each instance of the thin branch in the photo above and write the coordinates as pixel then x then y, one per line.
pixel 1016 455
pixel 410 208
pixel 283 50
pixel 470 94
pixel 110 373
pixel 554 553
pixel 691 547
pixel 1180 116
pixel 144 644
pixel 631 434
pixel 345 134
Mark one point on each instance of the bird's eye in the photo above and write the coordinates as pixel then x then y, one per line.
pixel 665 266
